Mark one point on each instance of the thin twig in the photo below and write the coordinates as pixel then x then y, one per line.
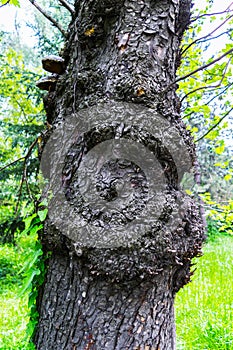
pixel 51 19
pixel 24 174
pixel 198 69
pixel 67 6
pixel 187 115
pixel 214 126
pixel 205 36
pixel 216 37
pixel 20 106
pixel 12 163
pixel 212 14
pixel 30 149
pixel 217 209
pixel 19 195
pixel 211 86
pixel 21 158
pixel 222 92
pixel 27 184
pixel 5 3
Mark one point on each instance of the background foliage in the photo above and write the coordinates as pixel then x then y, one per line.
pixel 207 107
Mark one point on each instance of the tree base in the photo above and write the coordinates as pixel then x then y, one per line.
pixel 83 311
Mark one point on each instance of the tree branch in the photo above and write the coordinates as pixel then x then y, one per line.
pixel 187 115
pixel 211 86
pixel 20 192
pixel 67 6
pixel 217 209
pixel 205 36
pixel 22 158
pixel 222 92
pixel 5 3
pixel 212 14
pixel 24 175
pixel 215 125
pixel 198 70
pixel 12 163
pixel 217 36
pixel 51 19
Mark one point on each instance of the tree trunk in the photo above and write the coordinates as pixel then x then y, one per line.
pixel 109 293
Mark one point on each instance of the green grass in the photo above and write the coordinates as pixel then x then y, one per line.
pixel 13 306
pixel 204 308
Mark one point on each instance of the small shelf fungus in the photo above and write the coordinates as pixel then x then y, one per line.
pixel 89 32
pixel 47 83
pixel 53 64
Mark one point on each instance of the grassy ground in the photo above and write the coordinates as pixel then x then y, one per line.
pixel 204 308
pixel 13 304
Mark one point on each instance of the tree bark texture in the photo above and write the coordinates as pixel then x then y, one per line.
pixel 120 298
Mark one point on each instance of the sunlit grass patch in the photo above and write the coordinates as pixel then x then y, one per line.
pixel 204 308
pixel 13 307
pixel 13 320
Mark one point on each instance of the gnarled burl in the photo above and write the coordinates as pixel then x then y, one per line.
pixel 120 296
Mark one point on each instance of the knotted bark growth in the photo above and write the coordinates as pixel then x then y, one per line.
pixel 120 297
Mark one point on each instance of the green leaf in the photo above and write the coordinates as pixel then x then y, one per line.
pixel 194 129
pixel 227 177
pixel 189 192
pixel 28 221
pixel 29 263
pixel 15 3
pixel 42 214
pixel 35 229
pixel 220 149
pixel 28 282
pixel 43 203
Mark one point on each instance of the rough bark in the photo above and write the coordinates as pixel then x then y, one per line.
pixel 119 298
pixel 87 312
